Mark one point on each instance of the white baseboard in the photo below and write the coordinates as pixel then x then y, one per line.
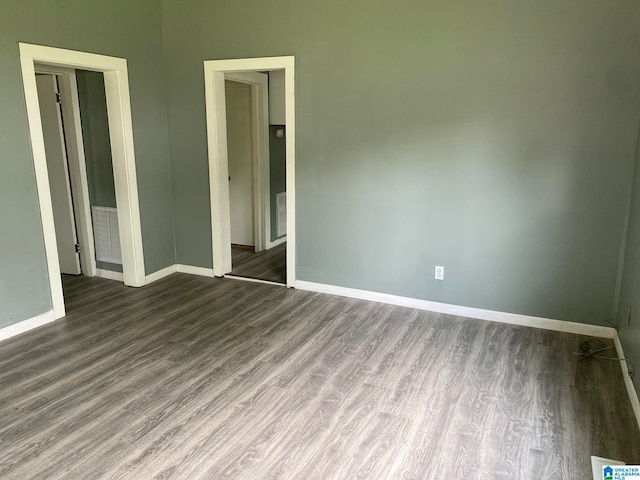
pixel 276 242
pixel 179 268
pixel 165 272
pixel 631 390
pixel 25 325
pixel 108 274
pixel 202 271
pixel 155 276
pixel 478 313
pixel 254 280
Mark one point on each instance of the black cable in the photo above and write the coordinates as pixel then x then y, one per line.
pixel 592 347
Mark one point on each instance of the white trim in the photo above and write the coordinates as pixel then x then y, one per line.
pixel 631 390
pixel 218 171
pixel 259 83
pixel 480 314
pixel 164 272
pixel 290 112
pixel 116 84
pixel 191 270
pixel 276 242
pixel 121 131
pixel 214 72
pixel 26 325
pixel 254 280
pixel 42 184
pixel 109 275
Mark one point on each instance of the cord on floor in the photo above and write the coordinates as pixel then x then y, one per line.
pixel 594 348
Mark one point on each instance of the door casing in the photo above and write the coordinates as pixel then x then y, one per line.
pixel 121 135
pixel 215 72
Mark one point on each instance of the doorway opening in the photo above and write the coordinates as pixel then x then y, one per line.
pixel 251 138
pixel 257 171
pixel 59 64
pixel 79 166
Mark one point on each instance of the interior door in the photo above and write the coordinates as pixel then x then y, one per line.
pixel 240 158
pixel 58 170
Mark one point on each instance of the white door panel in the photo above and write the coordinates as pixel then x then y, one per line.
pixel 58 174
pixel 240 157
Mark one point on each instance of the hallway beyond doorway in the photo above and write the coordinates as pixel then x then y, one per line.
pixel 270 265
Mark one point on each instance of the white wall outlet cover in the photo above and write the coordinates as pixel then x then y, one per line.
pixel 597 464
pixel 439 270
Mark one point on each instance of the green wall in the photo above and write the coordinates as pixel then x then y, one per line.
pixel 630 292
pixel 494 138
pixel 95 135
pixel 119 28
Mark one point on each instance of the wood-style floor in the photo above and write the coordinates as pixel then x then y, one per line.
pixel 268 265
pixel 199 378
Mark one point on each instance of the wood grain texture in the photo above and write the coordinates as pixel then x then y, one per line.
pixel 268 265
pixel 199 378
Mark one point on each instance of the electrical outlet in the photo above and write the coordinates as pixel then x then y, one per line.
pixel 628 316
pixel 439 272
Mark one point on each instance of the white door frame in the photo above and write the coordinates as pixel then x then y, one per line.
pixel 214 75
pixel 76 162
pixel 259 83
pixel 121 132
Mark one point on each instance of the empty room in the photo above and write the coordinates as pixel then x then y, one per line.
pixel 337 240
